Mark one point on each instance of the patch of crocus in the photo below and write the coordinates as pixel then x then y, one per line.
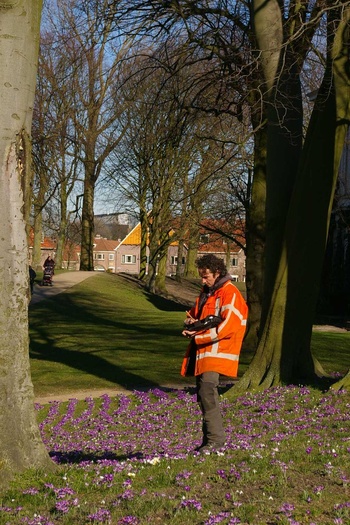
pixel 191 504
pixel 119 449
pixel 128 520
pixel 37 520
pixel 100 516
pixel 220 517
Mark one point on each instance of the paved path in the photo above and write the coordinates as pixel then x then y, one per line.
pixel 61 282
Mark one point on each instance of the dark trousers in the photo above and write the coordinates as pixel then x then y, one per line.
pixel 208 399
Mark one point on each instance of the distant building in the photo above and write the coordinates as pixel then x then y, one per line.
pixel 47 247
pixel 122 255
pixel 104 254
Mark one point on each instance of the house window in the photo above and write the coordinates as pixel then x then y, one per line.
pixel 235 261
pixel 111 256
pixel 128 259
pixel 204 238
pixel 173 259
pixel 234 278
pixel 100 256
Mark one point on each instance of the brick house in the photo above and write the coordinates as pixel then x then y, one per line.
pixel 104 254
pixel 128 254
pixel 229 251
pixel 123 256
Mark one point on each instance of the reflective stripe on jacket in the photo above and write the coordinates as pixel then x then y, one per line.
pixel 218 349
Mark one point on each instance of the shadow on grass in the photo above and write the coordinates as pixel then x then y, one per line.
pixel 90 364
pixel 164 304
pixel 161 302
pixel 71 329
pixel 75 457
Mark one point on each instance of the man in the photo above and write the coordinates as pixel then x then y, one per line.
pixel 214 351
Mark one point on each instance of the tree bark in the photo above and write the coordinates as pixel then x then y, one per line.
pixel 62 231
pixel 160 286
pixel 21 446
pixel 255 242
pixel 283 354
pixel 87 224
pixel 191 271
pixel 38 232
pixel 144 242
pixel 342 89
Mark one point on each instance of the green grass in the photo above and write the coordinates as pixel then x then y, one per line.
pixel 332 350
pixel 128 459
pixel 107 332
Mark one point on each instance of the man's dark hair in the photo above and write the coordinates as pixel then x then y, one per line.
pixel 212 263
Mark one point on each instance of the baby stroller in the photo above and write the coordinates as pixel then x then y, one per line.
pixel 47 276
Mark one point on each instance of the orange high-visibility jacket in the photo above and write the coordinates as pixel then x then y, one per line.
pixel 218 349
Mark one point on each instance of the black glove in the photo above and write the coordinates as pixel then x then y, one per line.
pixel 204 324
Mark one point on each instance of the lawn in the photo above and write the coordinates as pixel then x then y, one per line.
pixel 128 458
pixel 106 332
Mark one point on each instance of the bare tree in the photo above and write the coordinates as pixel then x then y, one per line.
pixel 20 445
pixel 226 80
pixel 84 29
pixel 264 47
pixel 55 148
pixel 170 155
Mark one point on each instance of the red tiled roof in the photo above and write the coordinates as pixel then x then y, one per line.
pixel 46 244
pixel 218 247
pixel 104 245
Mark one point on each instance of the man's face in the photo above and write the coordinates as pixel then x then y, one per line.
pixel 208 277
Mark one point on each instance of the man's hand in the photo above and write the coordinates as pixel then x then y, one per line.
pixel 188 333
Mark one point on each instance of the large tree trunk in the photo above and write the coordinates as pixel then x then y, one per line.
pixel 160 286
pixel 38 205
pixel 283 353
pixel 284 146
pixel 279 63
pixel 20 446
pixel 144 243
pixel 342 88
pixel 255 243
pixel 61 237
pixel 191 271
pixel 38 233
pixel 87 224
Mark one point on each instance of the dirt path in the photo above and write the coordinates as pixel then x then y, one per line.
pixel 95 393
pixel 60 283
